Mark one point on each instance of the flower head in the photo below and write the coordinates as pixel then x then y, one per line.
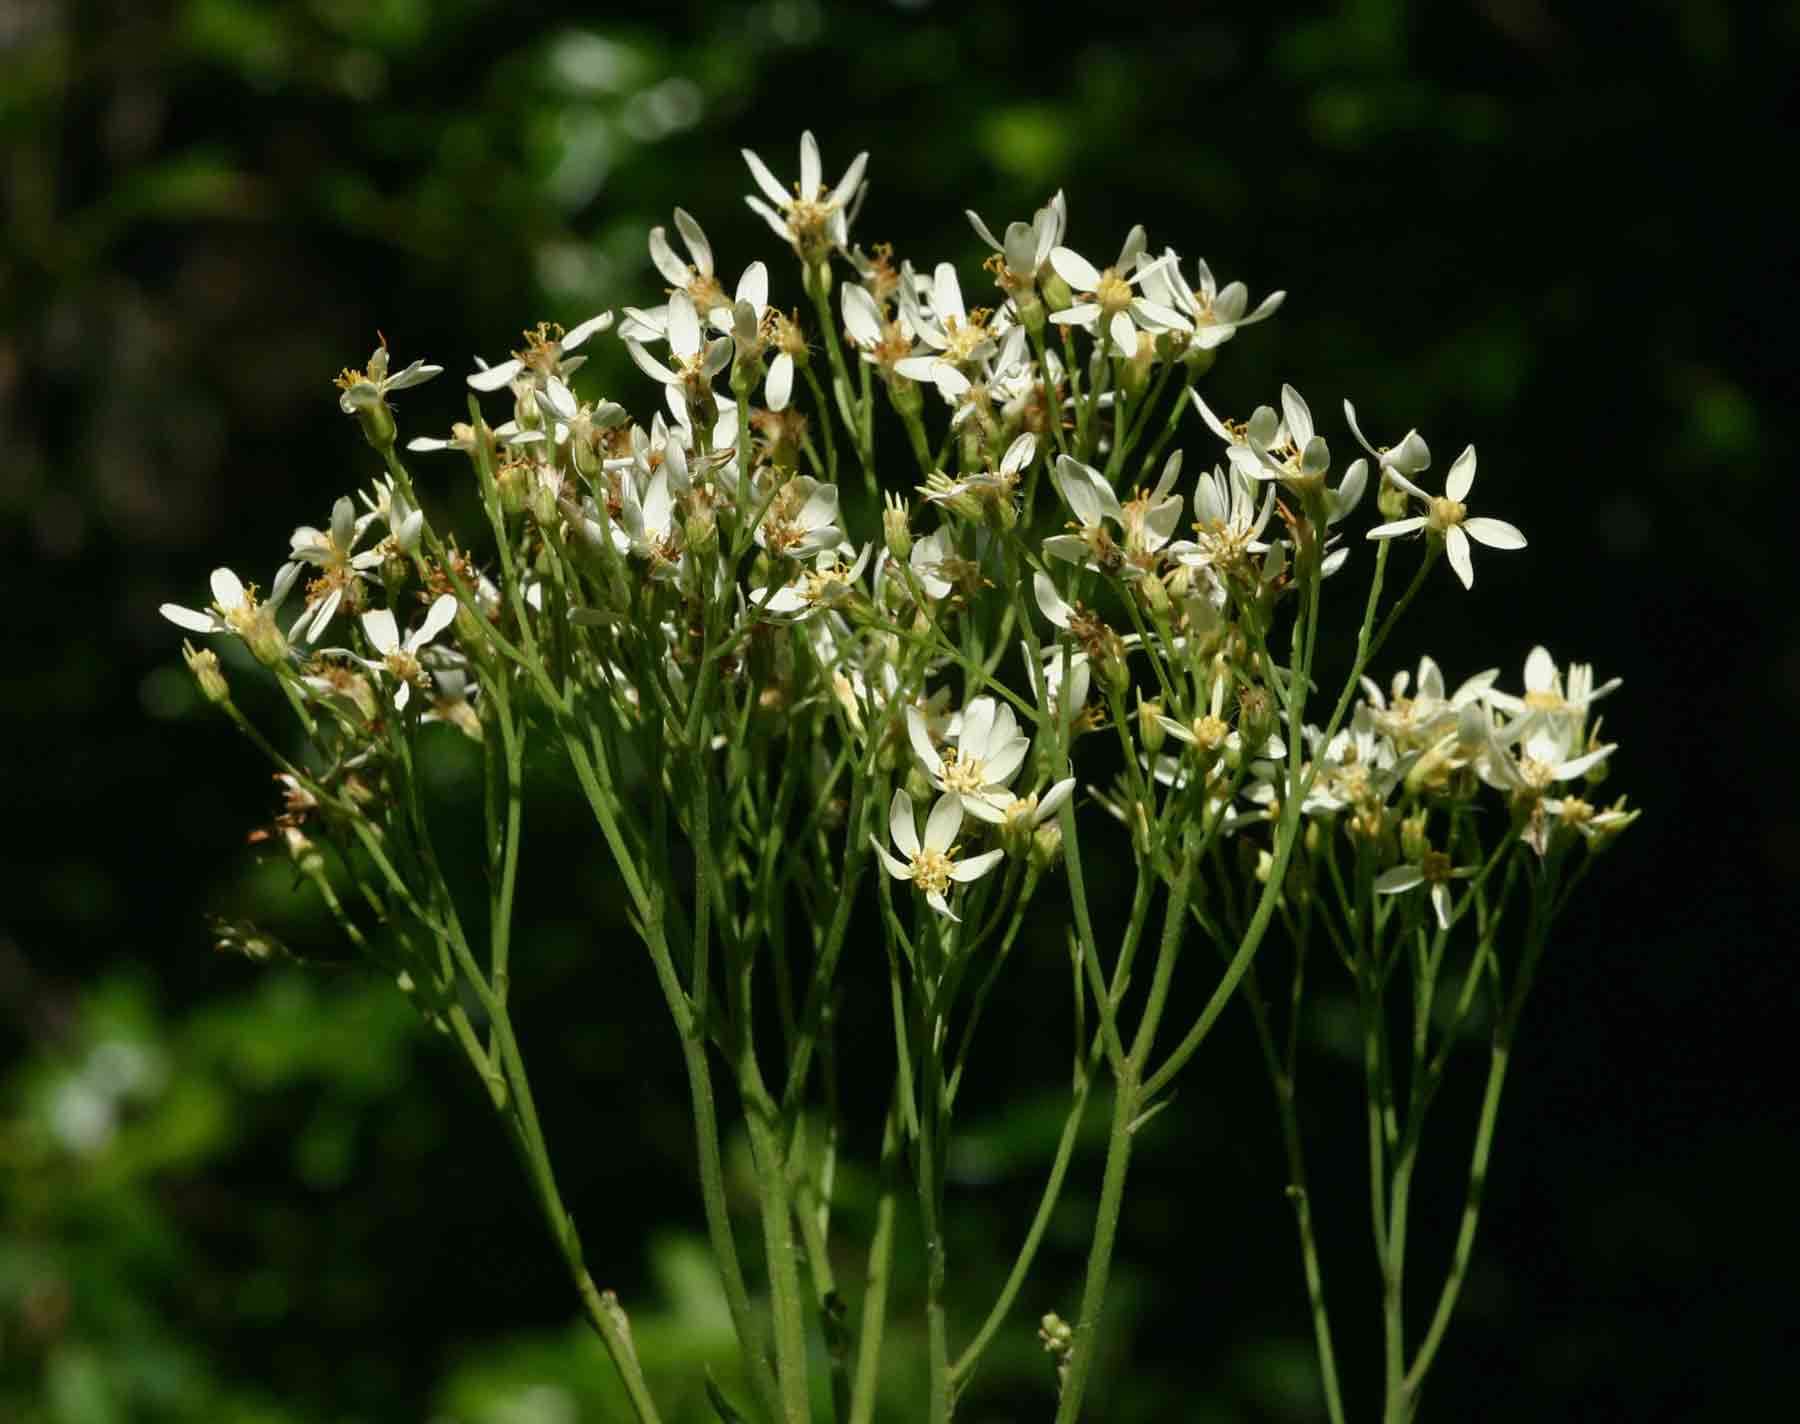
pixel 931 863
pixel 814 220
pixel 1449 519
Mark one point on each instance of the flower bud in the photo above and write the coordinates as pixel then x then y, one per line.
pixel 1256 716
pixel 1413 841
pixel 267 643
pixel 1153 594
pixel 1046 846
pixel 1111 668
pixel 1391 501
pixel 894 527
pixel 1199 360
pixel 203 663
pixel 1150 729
pixel 1030 309
pixel 1057 296
pixel 701 529
pixel 377 423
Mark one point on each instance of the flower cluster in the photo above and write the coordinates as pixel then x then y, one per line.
pixel 1081 587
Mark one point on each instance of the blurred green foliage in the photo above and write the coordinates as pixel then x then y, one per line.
pixel 263 1194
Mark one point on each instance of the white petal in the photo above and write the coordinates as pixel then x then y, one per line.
pixel 1355 429
pixel 766 180
pixel 1397 528
pixel 896 868
pixel 851 181
pixel 1540 670
pixel 981 229
pixel 495 378
pixel 1050 601
pixel 1495 533
pixel 650 366
pixel 227 589
pixel 1456 545
pixel 810 174
pixel 684 326
pixel 1440 901
pixel 780 386
pixel 697 245
pixel 437 618
pixel 1052 800
pixel 1461 476
pixel 593 326
pixel 560 399
pixel 920 736
pixel 943 823
pixel 316 623
pixel 862 317
pixel 753 286
pixel 901 824
pixel 942 906
pixel 402 697
pixel 380 630
pixel 1401 877
pixel 188 618
pixel 1074 269
pixel 975 866
pixel 1298 417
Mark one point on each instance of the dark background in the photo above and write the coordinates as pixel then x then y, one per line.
pixel 230 1191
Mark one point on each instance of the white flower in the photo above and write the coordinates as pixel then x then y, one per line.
pixel 802 519
pixel 931 864
pixel 928 559
pixel 1412 456
pixel 1434 869
pixel 696 276
pixel 749 309
pixel 401 659
pixel 696 361
pixel 813 220
pixel 544 362
pixel 988 753
pixel 1029 812
pixel 955 341
pixel 1092 501
pixel 368 388
pixel 236 609
pixel 1449 518
pixel 1544 688
pixel 1228 522
pixel 1418 720
pixel 331 552
pixel 650 527
pixel 1025 251
pixel 830 581
pixel 1214 314
pixel 1105 299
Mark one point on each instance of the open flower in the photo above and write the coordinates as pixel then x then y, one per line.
pixel 988 753
pixel 696 361
pixel 400 660
pixel 236 609
pixel 813 220
pixel 1105 299
pixel 366 389
pixel 1214 313
pixel 1449 519
pixel 931 864
pixel 695 277
pixel 1433 869
pixel 956 341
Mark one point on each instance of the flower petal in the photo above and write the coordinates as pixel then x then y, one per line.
pixel 1495 533
pixel 901 823
pixel 943 823
pixel 1462 475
